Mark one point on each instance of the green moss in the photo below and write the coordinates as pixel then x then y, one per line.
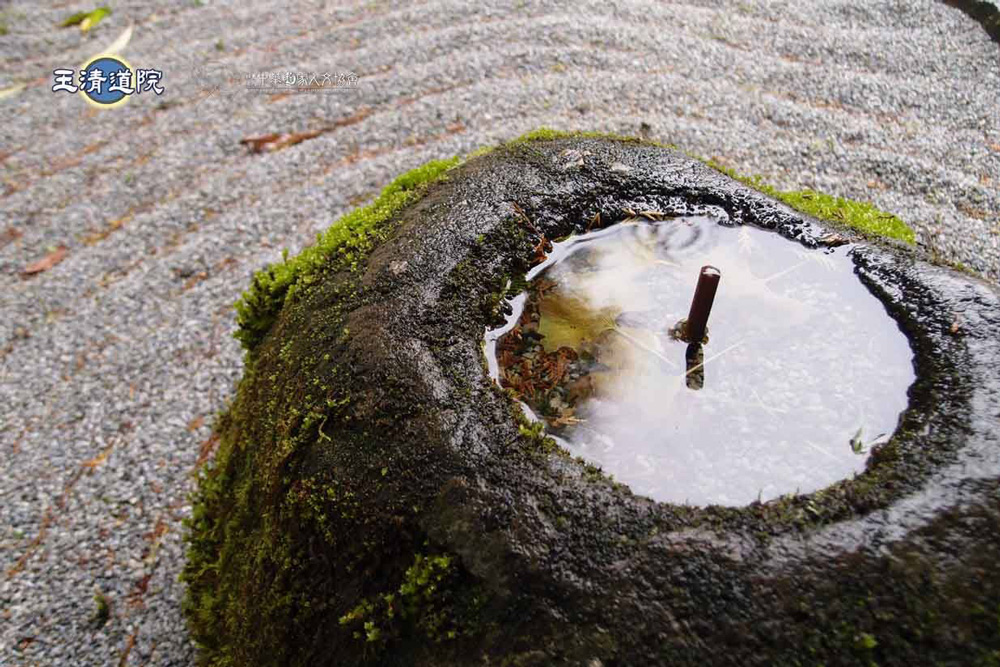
pixel 350 237
pixel 866 641
pixel 103 611
pixel 534 434
pixel 861 216
pixel 422 601
pixel 550 134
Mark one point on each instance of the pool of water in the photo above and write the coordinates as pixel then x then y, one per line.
pixel 803 371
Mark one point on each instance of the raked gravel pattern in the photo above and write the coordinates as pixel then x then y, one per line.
pixel 114 361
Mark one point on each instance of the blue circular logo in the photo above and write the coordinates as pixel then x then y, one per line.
pixel 106 81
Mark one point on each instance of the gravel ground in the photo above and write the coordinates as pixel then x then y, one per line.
pixel 114 361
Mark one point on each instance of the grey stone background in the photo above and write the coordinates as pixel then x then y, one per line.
pixel 114 361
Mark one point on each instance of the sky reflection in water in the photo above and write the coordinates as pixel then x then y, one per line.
pixel 800 357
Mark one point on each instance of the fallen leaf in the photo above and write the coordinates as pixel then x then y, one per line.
pixel 73 19
pixel 275 142
pixel 196 423
pixel 93 18
pixel 258 144
pixel 544 246
pixel 47 262
pixel 86 20
pixel 295 138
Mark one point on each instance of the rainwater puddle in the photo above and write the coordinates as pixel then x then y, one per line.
pixel 803 371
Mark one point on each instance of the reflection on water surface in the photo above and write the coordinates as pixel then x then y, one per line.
pixel 803 371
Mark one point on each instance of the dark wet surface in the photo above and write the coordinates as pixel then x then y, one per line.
pixel 804 369
pixel 413 450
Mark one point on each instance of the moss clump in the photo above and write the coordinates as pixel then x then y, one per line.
pixel 423 600
pixel 550 134
pixel 103 612
pixel 350 236
pixel 861 216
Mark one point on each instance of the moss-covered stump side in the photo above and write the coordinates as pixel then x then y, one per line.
pixel 377 500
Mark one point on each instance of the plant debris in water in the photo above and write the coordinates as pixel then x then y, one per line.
pixel 802 360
